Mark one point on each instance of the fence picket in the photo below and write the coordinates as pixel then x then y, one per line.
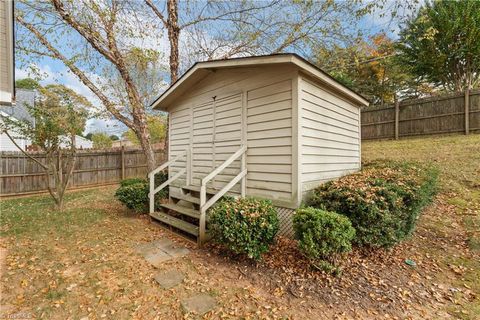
pixel 434 115
pixel 20 176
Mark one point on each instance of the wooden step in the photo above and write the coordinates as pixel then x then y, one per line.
pixel 175 222
pixel 185 197
pixel 181 209
pixel 197 189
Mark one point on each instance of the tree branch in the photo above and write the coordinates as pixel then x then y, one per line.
pixel 75 70
pixel 157 12
pixel 200 19
pixel 112 54
pixel 94 41
pixel 24 152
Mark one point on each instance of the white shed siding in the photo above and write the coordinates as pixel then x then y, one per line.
pixel 228 131
pixel 329 135
pixel 269 140
pixel 180 138
pixel 253 106
pixel 217 134
pixel 202 138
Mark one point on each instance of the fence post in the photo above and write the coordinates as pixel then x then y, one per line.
pixel 467 110
pixel 122 153
pixel 397 115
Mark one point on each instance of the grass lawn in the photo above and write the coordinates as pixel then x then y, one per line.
pixel 80 264
pixel 458 158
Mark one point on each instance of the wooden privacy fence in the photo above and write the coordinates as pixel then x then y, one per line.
pixel 19 175
pixel 435 115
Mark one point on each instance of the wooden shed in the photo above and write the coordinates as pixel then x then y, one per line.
pixel 273 127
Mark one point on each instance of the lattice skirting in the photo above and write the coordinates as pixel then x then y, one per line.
pixel 285 215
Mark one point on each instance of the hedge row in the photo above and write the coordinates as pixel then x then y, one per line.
pixel 375 207
pixel 383 201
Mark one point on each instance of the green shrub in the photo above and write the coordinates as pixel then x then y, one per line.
pixel 130 181
pixel 322 235
pixel 244 226
pixel 160 178
pixel 134 196
pixel 382 201
pixel 133 192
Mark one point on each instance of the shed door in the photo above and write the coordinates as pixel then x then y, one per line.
pixel 217 134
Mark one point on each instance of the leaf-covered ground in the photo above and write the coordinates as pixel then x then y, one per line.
pixel 81 264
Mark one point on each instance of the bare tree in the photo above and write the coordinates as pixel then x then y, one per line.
pixel 105 38
pixel 60 115
pixel 99 26
pixel 220 30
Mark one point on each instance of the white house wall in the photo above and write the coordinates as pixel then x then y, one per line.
pixel 7 145
pixel 6 59
pixel 329 136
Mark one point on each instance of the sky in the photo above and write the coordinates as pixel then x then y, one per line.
pixel 53 71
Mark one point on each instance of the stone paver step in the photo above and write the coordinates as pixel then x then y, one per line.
pixel 199 304
pixel 169 279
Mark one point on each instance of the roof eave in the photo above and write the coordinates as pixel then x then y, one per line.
pixel 242 62
pixel 329 80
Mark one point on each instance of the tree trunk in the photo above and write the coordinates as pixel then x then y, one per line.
pixel 59 204
pixel 59 182
pixel 150 155
pixel 173 36
pixel 141 130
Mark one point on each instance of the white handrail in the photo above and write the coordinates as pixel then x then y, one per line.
pixel 166 183
pixel 225 164
pixel 151 175
pixel 224 190
pixel 204 204
pixel 166 164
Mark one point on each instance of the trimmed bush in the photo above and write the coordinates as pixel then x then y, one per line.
pixel 133 193
pixel 322 235
pixel 383 201
pixel 130 181
pixel 160 178
pixel 134 196
pixel 244 226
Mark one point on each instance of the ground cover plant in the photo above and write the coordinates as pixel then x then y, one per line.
pixel 383 201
